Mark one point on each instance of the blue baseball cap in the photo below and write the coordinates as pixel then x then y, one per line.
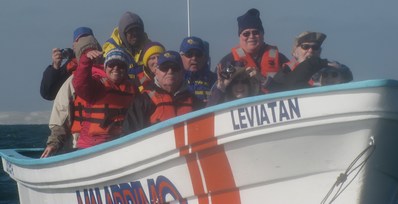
pixel 192 43
pixel 80 32
pixel 170 56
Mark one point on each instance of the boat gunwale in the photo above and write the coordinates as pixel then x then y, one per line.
pixel 13 156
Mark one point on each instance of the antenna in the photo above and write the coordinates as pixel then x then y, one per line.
pixel 189 19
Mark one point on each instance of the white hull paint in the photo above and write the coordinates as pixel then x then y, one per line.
pixel 287 147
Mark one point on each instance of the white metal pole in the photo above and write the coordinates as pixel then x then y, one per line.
pixel 189 19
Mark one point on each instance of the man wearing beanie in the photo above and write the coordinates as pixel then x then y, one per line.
pixel 149 57
pixel 195 57
pixel 129 35
pixel 307 67
pixel 104 98
pixel 166 97
pixel 260 59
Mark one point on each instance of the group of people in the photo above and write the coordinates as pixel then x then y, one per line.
pixel 131 82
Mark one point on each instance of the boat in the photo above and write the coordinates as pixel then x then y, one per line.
pixel 331 144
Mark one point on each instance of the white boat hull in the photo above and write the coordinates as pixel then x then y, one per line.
pixel 287 147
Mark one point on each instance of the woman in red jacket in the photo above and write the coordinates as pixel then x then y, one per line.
pixel 105 98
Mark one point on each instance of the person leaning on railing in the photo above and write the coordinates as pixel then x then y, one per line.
pixel 307 68
pixel 64 130
pixel 233 83
pixel 166 97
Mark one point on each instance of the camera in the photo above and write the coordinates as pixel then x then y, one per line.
pixel 67 53
pixel 227 71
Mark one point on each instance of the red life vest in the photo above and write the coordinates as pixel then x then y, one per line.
pixel 269 62
pixel 166 108
pixel 106 115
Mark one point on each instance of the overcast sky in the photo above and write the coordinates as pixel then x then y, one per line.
pixel 360 33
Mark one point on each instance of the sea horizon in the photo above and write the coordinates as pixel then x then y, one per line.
pixel 24 118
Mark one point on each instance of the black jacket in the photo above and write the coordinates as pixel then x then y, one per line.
pixel 286 79
pixel 140 111
pixel 52 81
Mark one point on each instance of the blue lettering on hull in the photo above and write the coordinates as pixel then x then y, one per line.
pixel 265 114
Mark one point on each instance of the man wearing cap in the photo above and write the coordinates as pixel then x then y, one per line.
pixel 259 58
pixel 130 36
pixel 56 73
pixel 167 97
pixel 307 65
pixel 195 59
pixel 105 98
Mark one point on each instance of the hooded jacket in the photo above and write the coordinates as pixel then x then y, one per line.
pixel 118 40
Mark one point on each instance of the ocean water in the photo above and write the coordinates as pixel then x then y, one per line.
pixel 18 136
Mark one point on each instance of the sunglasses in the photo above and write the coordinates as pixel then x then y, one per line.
pixel 241 81
pixel 114 63
pixel 165 67
pixel 191 53
pixel 308 46
pixel 254 32
pixel 135 30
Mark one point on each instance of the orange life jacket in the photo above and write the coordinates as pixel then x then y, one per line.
pixel 107 114
pixel 166 108
pixel 144 80
pixel 77 118
pixel 269 62
pixel 72 65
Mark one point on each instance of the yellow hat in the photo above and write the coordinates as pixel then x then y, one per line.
pixel 151 49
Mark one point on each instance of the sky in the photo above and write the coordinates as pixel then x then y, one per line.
pixel 361 34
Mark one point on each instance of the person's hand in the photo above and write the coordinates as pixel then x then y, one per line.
pixel 222 83
pixel 254 72
pixel 49 151
pixel 251 71
pixel 94 54
pixel 334 64
pixel 57 58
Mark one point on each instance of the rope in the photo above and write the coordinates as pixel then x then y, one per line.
pixel 342 178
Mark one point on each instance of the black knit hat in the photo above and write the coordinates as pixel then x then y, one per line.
pixel 251 19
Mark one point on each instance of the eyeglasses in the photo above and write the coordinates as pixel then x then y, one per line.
pixel 191 53
pixel 253 32
pixel 166 66
pixel 308 46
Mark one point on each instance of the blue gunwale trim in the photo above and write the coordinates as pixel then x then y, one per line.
pixel 14 157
